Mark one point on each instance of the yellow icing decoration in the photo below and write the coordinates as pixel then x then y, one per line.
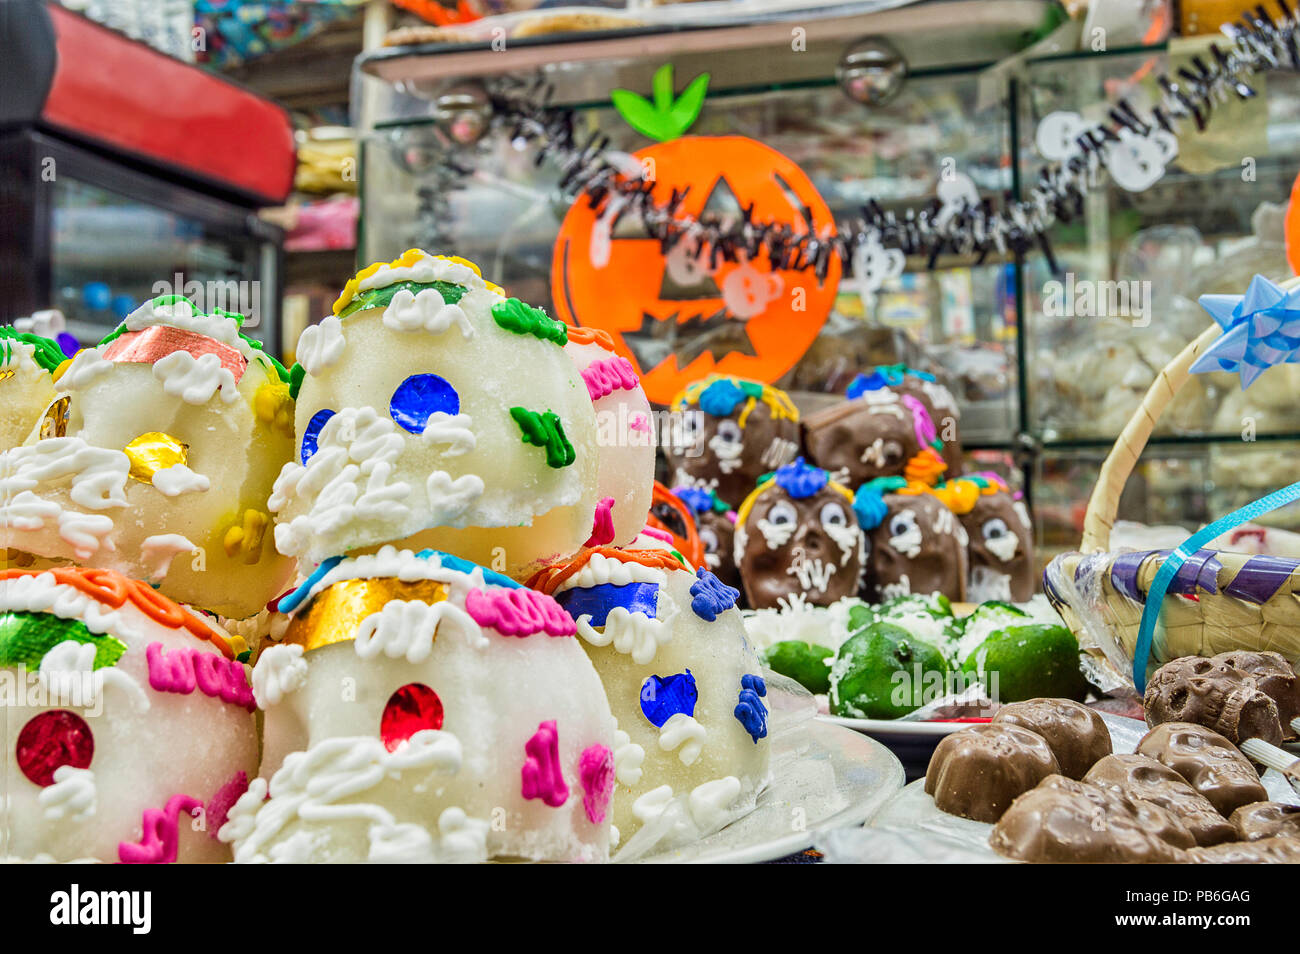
pixel 407 259
pixel 152 452
pixel 58 372
pixel 274 407
pixel 777 401
pixel 246 538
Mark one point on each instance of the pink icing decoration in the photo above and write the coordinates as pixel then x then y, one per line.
pixel 520 612
pixel 658 534
pixel 602 527
pixel 596 771
pixel 925 431
pixel 608 375
pixel 639 422
pixel 183 669
pixel 224 800
pixel 161 838
pixel 541 772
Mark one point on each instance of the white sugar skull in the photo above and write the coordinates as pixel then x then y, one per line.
pixel 129 721
pixel 436 412
pixel 421 708
pixel 156 458
pixel 691 753
pixel 26 382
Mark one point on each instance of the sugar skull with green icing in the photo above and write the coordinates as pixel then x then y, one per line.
pixel 156 457
pixel 691 752
pixel 129 721
pixel 435 411
pixel 421 708
pixel 27 363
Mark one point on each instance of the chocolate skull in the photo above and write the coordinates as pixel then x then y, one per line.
pixel 716 524
pixel 1142 778
pixel 1001 547
pixel 735 431
pixel 915 544
pixel 1266 820
pixel 1267 851
pixel 1211 763
pixel 978 772
pixel 876 435
pixel 1078 735
pixel 797 533
pixel 938 401
pixel 1273 676
pixel 1212 694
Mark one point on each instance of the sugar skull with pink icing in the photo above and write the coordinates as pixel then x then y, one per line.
pixel 421 708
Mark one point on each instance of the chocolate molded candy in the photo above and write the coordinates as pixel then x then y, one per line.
pixel 1274 676
pixel 1215 695
pixel 1266 851
pixel 918 547
pixel 1067 822
pixel 978 772
pixel 864 438
pixel 1266 819
pixel 1142 778
pixel 1077 735
pixel 1212 764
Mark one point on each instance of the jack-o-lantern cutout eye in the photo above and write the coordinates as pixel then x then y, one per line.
pixel 902 523
pixel 311 434
pixel 411 709
pixel 994 529
pixel 729 432
pixel 52 740
pixel 833 515
pixel 419 397
pixel 781 514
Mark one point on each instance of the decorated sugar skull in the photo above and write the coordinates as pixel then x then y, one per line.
pixel 879 433
pixel 133 732
pixel 716 524
pixel 437 412
pixel 423 708
pixel 745 429
pixel 1001 550
pixel 691 751
pixel 937 400
pixel 917 544
pixel 624 436
pixel 156 458
pixel 797 533
pixel 27 363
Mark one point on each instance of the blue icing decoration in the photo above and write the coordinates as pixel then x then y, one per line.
pixel 419 397
pixel 311 435
pixel 720 398
pixel 697 498
pixel 870 507
pixel 662 698
pixel 289 603
pixel 710 596
pixel 801 480
pixel 750 711
pixel 461 565
pixel 882 377
pixel 597 601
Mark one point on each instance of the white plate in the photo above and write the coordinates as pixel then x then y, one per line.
pixel 823 777
pixel 884 730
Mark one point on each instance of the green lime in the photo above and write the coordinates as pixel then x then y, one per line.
pixel 883 672
pixel 1029 662
pixel 987 619
pixel 805 663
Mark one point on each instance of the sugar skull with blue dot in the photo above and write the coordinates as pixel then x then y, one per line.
pixel 434 410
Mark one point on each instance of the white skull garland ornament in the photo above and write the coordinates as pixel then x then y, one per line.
pixel 421 708
pixel 691 753
pixel 27 363
pixel 436 412
pixel 156 459
pixel 917 544
pixel 135 732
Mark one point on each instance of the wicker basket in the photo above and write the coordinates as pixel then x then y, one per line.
pixel 1217 601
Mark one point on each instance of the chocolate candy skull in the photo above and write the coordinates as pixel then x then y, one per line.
pixel 1212 694
pixel 735 431
pixel 716 524
pixel 1001 550
pixel 1266 820
pixel 915 543
pixel 421 708
pixel 978 772
pixel 1142 778
pixel 685 685
pixel 1278 850
pixel 438 413
pixel 1273 676
pixel 938 401
pixel 1077 735
pixel 1211 763
pixel 797 533
pixel 879 434
pixel 156 459
pixel 136 730
pixel 26 382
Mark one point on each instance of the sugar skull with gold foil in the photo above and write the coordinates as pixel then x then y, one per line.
pixel 130 726
pixel 27 363
pixel 156 457
pixel 421 708
pixel 436 412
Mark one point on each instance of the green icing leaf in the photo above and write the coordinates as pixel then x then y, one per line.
pixel 513 315
pixel 545 430
pixel 296 374
pixel 25 638
pixel 667 117
pixel 48 355
pixel 379 297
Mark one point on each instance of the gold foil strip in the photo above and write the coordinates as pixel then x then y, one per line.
pixel 55 421
pixel 152 452
pixel 335 613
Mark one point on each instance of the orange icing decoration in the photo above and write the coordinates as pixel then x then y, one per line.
pixel 113 589
pixel 925 467
pixel 549 578
pixel 594 336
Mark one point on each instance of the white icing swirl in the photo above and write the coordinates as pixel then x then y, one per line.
pixel 195 380
pixel 425 311
pixel 179 479
pixel 683 733
pixel 280 670
pixel 320 345
pixel 72 796
pixel 406 629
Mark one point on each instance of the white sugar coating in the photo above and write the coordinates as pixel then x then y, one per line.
pixel 473 488
pixel 798 619
pixel 625 437
pixel 495 691
pixel 717 654
pixel 49 487
pixel 26 390
pixel 148 745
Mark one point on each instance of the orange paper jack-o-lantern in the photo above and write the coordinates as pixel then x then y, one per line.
pixel 677 317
